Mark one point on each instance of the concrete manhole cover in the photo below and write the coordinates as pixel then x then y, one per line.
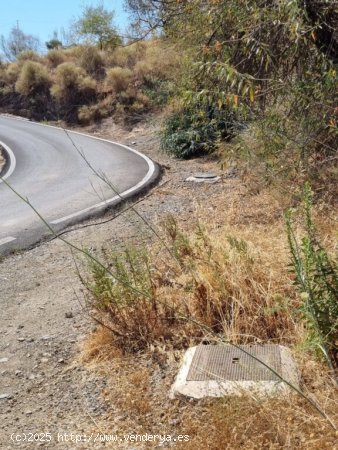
pixel 219 370
pixel 204 177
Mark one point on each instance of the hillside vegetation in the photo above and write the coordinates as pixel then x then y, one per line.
pixel 83 84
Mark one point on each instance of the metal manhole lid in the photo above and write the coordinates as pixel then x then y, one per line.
pixel 228 363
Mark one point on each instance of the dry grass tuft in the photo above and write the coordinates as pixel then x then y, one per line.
pixel 204 285
pixel 118 79
pixel 92 61
pixel 136 399
pixel 233 277
pixel 99 346
pixel 55 57
pixel 11 73
pixel 127 56
pixel 126 82
pixel 254 424
pixel 137 387
pixel 33 79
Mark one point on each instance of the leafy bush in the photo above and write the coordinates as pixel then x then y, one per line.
pixel 157 90
pixel 195 130
pixel 317 280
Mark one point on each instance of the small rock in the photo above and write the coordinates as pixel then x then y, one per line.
pixel 5 396
pixel 69 315
pixel 18 372
pixel 175 422
pixel 61 360
pixel 20 327
pixel 21 339
pixel 28 412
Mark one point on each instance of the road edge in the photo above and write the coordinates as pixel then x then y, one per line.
pixel 10 162
pixel 151 178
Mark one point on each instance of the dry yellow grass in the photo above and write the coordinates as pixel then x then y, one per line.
pixel 232 277
pixel 137 391
pixel 251 424
pixel 229 283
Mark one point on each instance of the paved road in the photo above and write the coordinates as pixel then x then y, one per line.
pixel 47 169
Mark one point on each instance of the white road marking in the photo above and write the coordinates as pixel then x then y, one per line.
pixel 12 162
pixel 6 240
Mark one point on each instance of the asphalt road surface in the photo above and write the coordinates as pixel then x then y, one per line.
pixel 44 166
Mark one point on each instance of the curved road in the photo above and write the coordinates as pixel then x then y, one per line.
pixel 52 174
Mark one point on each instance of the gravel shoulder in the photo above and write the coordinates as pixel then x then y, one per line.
pixel 44 388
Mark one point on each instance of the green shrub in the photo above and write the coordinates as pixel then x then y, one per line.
pixel 157 90
pixel 317 280
pixel 196 129
pixel 33 79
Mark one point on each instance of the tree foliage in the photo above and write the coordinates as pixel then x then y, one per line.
pixel 271 62
pixel 96 26
pixel 54 42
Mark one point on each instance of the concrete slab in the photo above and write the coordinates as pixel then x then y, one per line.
pixel 204 177
pixel 225 370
